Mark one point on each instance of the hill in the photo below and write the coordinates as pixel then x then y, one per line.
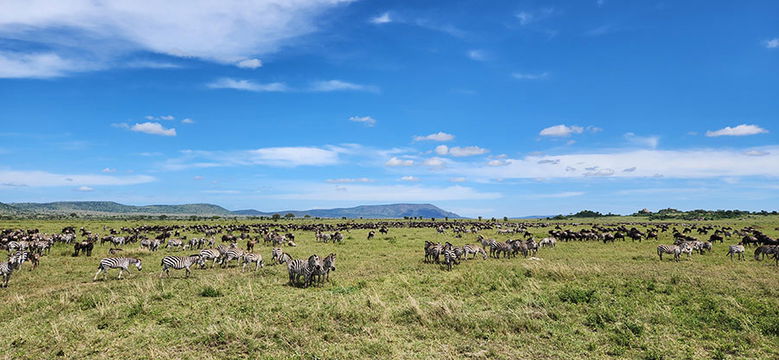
pixel 110 207
pixel 365 211
pixel 7 209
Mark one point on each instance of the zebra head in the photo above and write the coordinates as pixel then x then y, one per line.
pixel 314 263
pixel 138 265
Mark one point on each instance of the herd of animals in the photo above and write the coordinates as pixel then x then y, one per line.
pixel 30 245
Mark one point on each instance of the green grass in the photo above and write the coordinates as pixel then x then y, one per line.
pixel 581 301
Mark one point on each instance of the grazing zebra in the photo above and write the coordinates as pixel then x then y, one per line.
pixel 122 264
pixel 676 250
pixel 475 250
pixel 762 251
pixel 301 268
pixel 178 263
pixel 7 268
pixel 450 258
pixel 152 245
pixel 547 242
pixel 113 251
pixel 280 257
pixel 231 254
pixel 736 249
pixel 252 258
pixel 371 234
pixel 209 254
pixel 83 247
pixel 175 243
pixel 432 251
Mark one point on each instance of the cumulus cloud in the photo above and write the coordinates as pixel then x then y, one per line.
pixel 84 189
pixel 561 130
pixel 247 85
pixel 349 180
pixel 649 141
pixel 153 128
pixel 366 120
pixel 395 161
pixel 458 179
pixel 467 151
pixel 101 32
pixel 108 170
pixel 756 153
pixel 435 162
pixel 772 43
pixel 187 121
pixel 441 150
pixel 409 178
pixel 249 64
pixel 477 55
pixel 740 130
pixel 381 19
pixel 439 136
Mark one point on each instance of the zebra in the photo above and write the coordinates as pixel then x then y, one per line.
pixel 7 268
pixel 231 254
pixel 676 250
pixel 329 265
pixel 252 258
pixel 736 249
pixel 532 246
pixel 547 242
pixel 301 268
pixel 209 254
pixel 432 251
pixel 280 256
pixel 152 245
pixel 122 264
pixel 450 258
pixel 762 251
pixel 475 250
pixel 176 243
pixel 178 263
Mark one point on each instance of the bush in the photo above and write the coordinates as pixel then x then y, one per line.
pixel 209 291
pixel 577 296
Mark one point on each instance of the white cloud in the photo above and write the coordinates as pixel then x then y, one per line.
pixel 467 151
pixel 561 130
pixel 367 120
pixel 340 85
pixel 187 121
pixel 409 178
pixel 84 189
pixel 756 153
pixel 153 128
pixel 527 17
pixel 197 178
pixel 435 162
pixel 457 179
pixel 38 65
pixel 441 149
pixel 772 44
pixel 102 31
pixel 645 163
pixel 478 55
pixel 394 193
pixel 46 179
pixel 439 136
pixel 740 130
pixel 497 162
pixel 394 161
pixel 565 194
pixel 246 85
pixel 649 141
pixel 249 64
pixel 221 192
pixel 530 76
pixel 272 156
pixel 108 170
pixel 349 180
pixel 381 19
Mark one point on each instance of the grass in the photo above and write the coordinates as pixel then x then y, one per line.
pixel 582 300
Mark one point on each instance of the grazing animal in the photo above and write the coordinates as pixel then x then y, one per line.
pixel 230 255
pixel 736 249
pixel 763 250
pixel 548 242
pixel 300 268
pixel 174 243
pixel 113 251
pixel 178 263
pixel 676 250
pixel 7 268
pixel 328 264
pixel 450 258
pixel 475 250
pixel 122 264
pixel 84 247
pixel 371 234
pixel 250 258
pixel 209 254
pixel 280 257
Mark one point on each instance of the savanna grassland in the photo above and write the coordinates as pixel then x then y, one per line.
pixel 581 300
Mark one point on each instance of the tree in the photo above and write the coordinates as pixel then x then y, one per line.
pixel 276 217
pixel 289 215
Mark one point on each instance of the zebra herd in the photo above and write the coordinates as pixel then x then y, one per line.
pixel 688 247
pixel 452 255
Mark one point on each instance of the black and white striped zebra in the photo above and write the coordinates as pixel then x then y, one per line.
pixel 250 258
pixel 474 250
pixel 230 255
pixel 174 243
pixel 123 264
pixel 301 268
pixel 328 264
pixel 178 263
pixel 279 257
pixel 763 250
pixel 736 249
pixel 676 250
pixel 209 254
pixel 7 268
pixel 450 258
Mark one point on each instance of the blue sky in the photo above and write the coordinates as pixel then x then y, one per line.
pixel 483 108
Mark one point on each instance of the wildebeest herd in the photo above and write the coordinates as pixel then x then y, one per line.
pixel 30 245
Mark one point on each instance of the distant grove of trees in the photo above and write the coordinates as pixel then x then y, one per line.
pixel 671 214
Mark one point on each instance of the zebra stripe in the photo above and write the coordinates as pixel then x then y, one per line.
pixel 300 268
pixel 122 264
pixel 736 249
pixel 249 258
pixel 209 254
pixel 178 263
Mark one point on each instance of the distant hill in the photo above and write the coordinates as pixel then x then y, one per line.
pixel 110 207
pixel 365 211
pixel 7 209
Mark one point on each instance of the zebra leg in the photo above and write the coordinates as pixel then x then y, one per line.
pixel 187 269
pixel 99 270
pixel 120 274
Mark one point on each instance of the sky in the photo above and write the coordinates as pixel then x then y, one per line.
pixel 484 108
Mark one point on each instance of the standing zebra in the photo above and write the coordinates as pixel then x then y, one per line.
pixel 280 256
pixel 762 251
pixel 450 258
pixel 209 254
pixel 178 263
pixel 736 249
pixel 676 250
pixel 329 265
pixel 8 267
pixel 231 254
pixel 301 268
pixel 249 258
pixel 122 264
pixel 475 250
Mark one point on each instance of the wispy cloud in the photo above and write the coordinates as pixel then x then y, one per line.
pixel 410 178
pixel 650 141
pixel 271 156
pixel 439 136
pixel 381 193
pixel 561 130
pixel 477 55
pixel 740 130
pixel 530 76
pixel 366 120
pixel 249 64
pixel 772 43
pixel 381 19
pixel 247 85
pixel 395 161
pixel 349 180
pixel 340 85
pixel 38 178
